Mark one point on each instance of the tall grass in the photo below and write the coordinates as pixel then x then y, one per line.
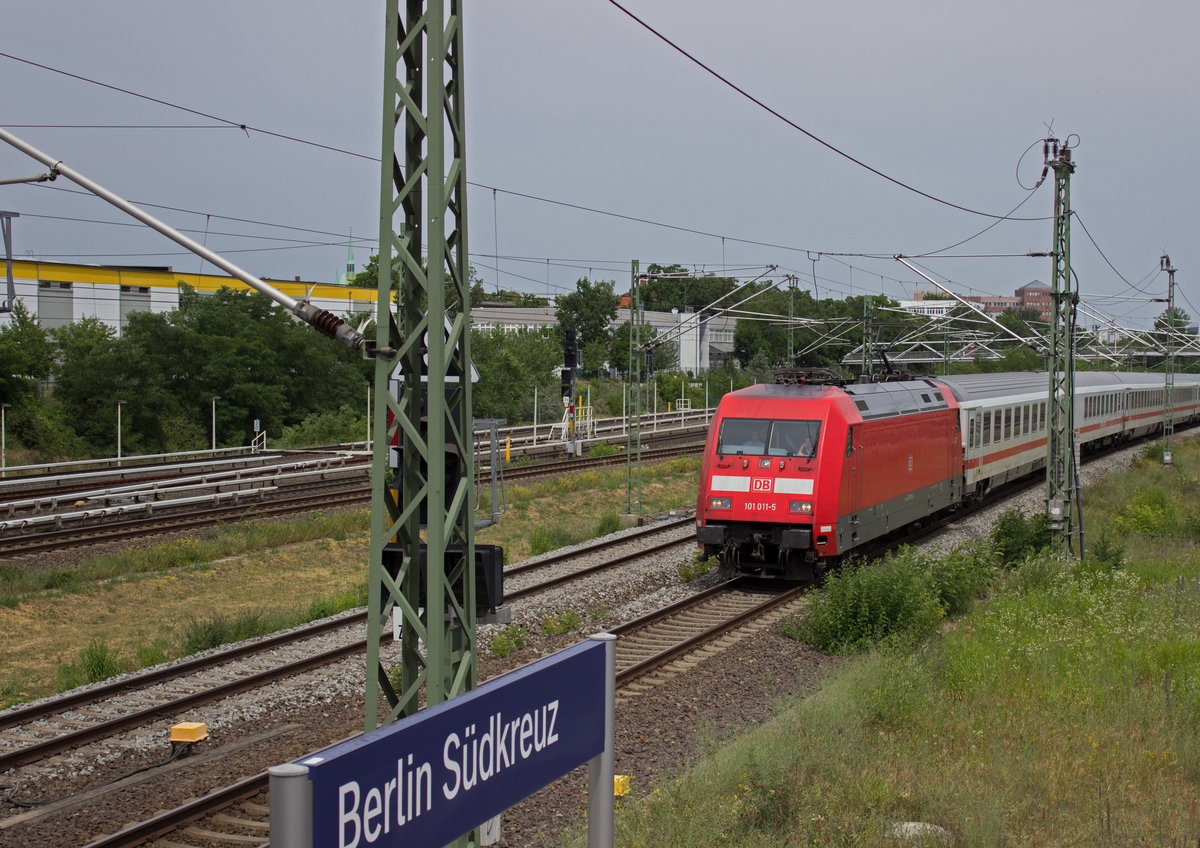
pixel 214 631
pixel 228 540
pixel 1064 710
pixel 98 662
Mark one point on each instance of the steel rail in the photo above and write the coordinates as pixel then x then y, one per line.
pixel 33 753
pixel 54 540
pixel 171 820
pixel 563 556
pixel 41 750
pixel 20 715
pixel 633 672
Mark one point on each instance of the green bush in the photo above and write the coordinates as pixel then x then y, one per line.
pixel 962 576
pixel 1105 552
pixel 545 539
pixel 1038 572
pixel 1150 512
pixel 214 631
pixel 347 424
pixel 864 604
pixel 332 605
pixel 1015 535
pixel 603 449
pixel 148 655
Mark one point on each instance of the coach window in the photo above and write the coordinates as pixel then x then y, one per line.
pixel 1007 423
pixel 1042 416
pixel 1026 427
pixel 986 438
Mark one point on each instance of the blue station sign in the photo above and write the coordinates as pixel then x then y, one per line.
pixel 429 779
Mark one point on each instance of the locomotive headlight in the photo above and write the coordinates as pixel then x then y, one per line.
pixel 802 507
pixel 720 503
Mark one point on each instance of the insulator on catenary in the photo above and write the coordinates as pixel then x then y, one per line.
pixel 327 322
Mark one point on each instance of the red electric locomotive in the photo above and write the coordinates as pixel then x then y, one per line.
pixel 795 476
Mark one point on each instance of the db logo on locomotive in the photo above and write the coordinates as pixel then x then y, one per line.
pixel 760 484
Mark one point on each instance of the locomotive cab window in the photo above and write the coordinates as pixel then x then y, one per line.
pixel 794 438
pixel 746 436
pixel 761 437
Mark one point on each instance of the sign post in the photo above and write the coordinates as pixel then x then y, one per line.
pixel 429 779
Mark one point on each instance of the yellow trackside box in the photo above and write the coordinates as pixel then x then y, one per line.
pixel 189 731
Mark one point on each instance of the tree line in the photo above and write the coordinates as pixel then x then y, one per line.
pixel 236 356
pixel 230 356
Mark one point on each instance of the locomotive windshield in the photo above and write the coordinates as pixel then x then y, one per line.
pixel 763 437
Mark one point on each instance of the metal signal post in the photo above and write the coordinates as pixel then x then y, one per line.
pixel 633 424
pixel 1060 443
pixel 423 194
pixel 1169 366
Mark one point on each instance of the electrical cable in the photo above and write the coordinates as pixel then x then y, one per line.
pixel 231 124
pixel 82 193
pixel 801 129
pixel 117 127
pixel 1101 252
pixel 187 253
pixel 246 128
pixel 302 242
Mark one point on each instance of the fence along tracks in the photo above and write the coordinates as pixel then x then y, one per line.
pixel 152 510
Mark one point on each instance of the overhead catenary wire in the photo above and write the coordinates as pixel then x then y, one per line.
pixel 726 81
pixel 227 123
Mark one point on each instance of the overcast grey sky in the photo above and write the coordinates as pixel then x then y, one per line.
pixel 574 102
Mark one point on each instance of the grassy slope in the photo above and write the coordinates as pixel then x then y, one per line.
pixel 1062 711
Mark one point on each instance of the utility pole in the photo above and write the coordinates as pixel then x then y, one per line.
pixel 791 359
pixel 868 366
pixel 1169 378
pixel 1060 447
pixel 426 341
pixel 633 426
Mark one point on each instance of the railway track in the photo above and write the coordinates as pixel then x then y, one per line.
pixel 31 734
pixel 338 496
pixel 549 469
pixel 649 649
pixel 262 503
